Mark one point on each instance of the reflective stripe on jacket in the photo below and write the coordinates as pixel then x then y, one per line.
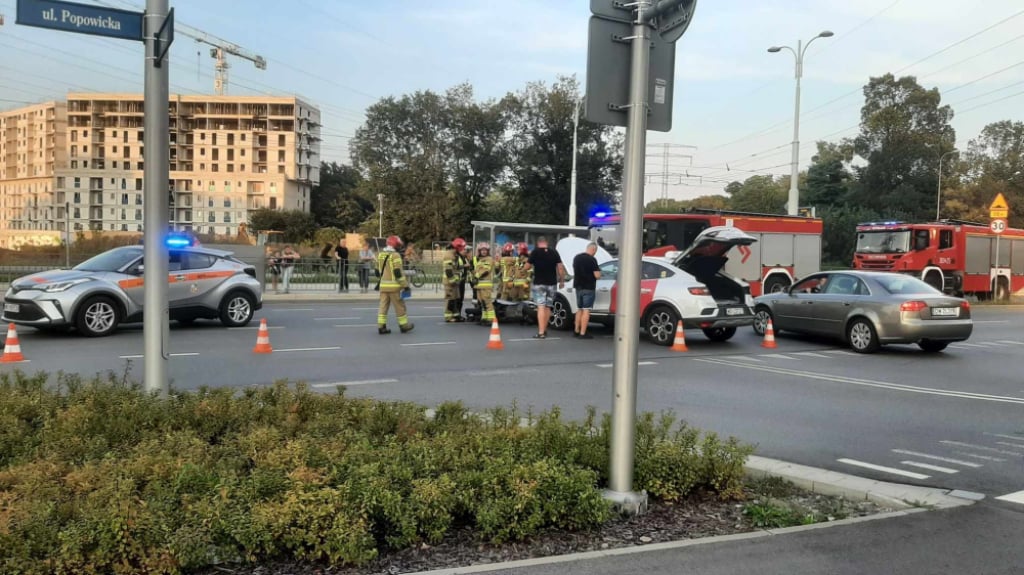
pixel 391 278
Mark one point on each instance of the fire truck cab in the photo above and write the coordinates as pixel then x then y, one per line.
pixel 953 256
pixel 787 247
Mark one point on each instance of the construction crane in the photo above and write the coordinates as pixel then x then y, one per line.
pixel 219 49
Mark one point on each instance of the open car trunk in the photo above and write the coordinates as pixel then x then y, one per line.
pixel 706 259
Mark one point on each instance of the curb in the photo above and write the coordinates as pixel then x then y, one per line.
pixel 852 487
pixel 348 297
pixel 910 500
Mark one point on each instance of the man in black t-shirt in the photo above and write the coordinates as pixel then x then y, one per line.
pixel 548 270
pixel 341 255
pixel 585 274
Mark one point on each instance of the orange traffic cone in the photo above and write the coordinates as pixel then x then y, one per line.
pixel 769 337
pixel 494 342
pixel 263 339
pixel 12 348
pixel 680 343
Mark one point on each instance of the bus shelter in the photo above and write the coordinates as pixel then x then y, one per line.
pixel 500 233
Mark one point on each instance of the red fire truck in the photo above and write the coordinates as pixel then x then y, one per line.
pixel 954 256
pixel 787 247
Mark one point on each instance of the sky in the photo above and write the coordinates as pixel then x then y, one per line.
pixel 733 100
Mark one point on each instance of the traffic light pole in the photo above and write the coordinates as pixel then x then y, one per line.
pixel 627 320
pixel 155 329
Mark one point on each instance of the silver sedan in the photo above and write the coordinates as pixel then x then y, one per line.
pixel 867 310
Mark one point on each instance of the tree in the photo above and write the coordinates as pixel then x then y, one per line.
pixel 335 201
pixel 828 177
pixel 298 226
pixel 711 202
pixel 759 194
pixel 904 130
pixel 992 164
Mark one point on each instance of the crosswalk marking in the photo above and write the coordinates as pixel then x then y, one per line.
pixel 964 344
pixel 981 448
pixel 930 467
pixel 777 356
pixel 1010 437
pixel 810 354
pixel 1017 497
pixel 993 344
pixel 883 469
pixel 981 457
pixel 1008 342
pixel 611 365
pixel 937 458
pixel 743 358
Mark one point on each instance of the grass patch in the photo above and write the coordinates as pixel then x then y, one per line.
pixel 98 477
pixel 777 504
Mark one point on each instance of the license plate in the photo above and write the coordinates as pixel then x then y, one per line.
pixel 11 308
pixel 735 311
pixel 946 311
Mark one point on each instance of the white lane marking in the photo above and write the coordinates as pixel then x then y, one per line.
pixel 810 354
pixel 868 382
pixel 1008 444
pixel 981 448
pixel 254 328
pixel 611 365
pixel 777 356
pixel 1010 437
pixel 351 383
pixel 930 467
pixel 1017 497
pixel 981 457
pixel 647 363
pixel 486 372
pixel 429 343
pixel 937 458
pixel 289 309
pixel 993 344
pixel 431 307
pixel 883 469
pixel 308 349
pixel 841 352
pixel 140 356
pixel 745 358
pixel 535 339
pixel 334 318
pixel 965 344
pixel 357 325
pixel 1007 342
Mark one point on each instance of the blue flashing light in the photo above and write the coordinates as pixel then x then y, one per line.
pixel 178 242
pixel 601 215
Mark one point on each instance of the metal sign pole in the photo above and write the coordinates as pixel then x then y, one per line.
pixel 155 204
pixel 627 321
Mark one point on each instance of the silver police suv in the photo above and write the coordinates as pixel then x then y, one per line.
pixel 103 292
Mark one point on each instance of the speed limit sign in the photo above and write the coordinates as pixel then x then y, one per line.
pixel 998 226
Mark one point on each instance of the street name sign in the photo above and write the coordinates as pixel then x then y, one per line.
pixel 80 18
pixel 998 226
pixel 999 209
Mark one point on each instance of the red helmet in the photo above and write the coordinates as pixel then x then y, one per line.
pixel 483 246
pixel 507 249
pixel 394 242
pixel 523 249
pixel 458 244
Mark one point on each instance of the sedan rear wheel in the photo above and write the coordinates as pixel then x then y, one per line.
pixel 97 316
pixel 237 309
pixel 660 325
pixel 931 346
pixel 862 336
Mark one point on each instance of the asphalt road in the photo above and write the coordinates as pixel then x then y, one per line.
pixel 952 420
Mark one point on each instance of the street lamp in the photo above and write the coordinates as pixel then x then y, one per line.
pixel 380 220
pixel 793 205
pixel 575 135
pixel 938 194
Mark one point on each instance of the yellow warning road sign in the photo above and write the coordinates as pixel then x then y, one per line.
pixel 999 208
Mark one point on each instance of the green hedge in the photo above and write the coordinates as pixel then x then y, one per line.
pixel 98 477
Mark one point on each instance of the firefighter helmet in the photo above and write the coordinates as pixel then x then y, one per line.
pixel 483 246
pixel 394 242
pixel 459 244
pixel 507 249
pixel 523 249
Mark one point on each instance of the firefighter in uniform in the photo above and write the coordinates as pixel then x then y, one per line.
pixel 456 271
pixel 507 267
pixel 392 283
pixel 483 280
pixel 521 275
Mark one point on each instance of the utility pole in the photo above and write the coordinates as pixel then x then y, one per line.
pixel 575 148
pixel 155 331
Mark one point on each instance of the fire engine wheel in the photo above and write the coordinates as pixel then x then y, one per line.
pixel 934 279
pixel 1002 291
pixel 776 284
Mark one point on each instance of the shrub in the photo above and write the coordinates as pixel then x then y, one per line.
pixel 99 477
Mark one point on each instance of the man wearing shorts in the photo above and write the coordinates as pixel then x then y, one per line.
pixel 548 271
pixel 585 274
